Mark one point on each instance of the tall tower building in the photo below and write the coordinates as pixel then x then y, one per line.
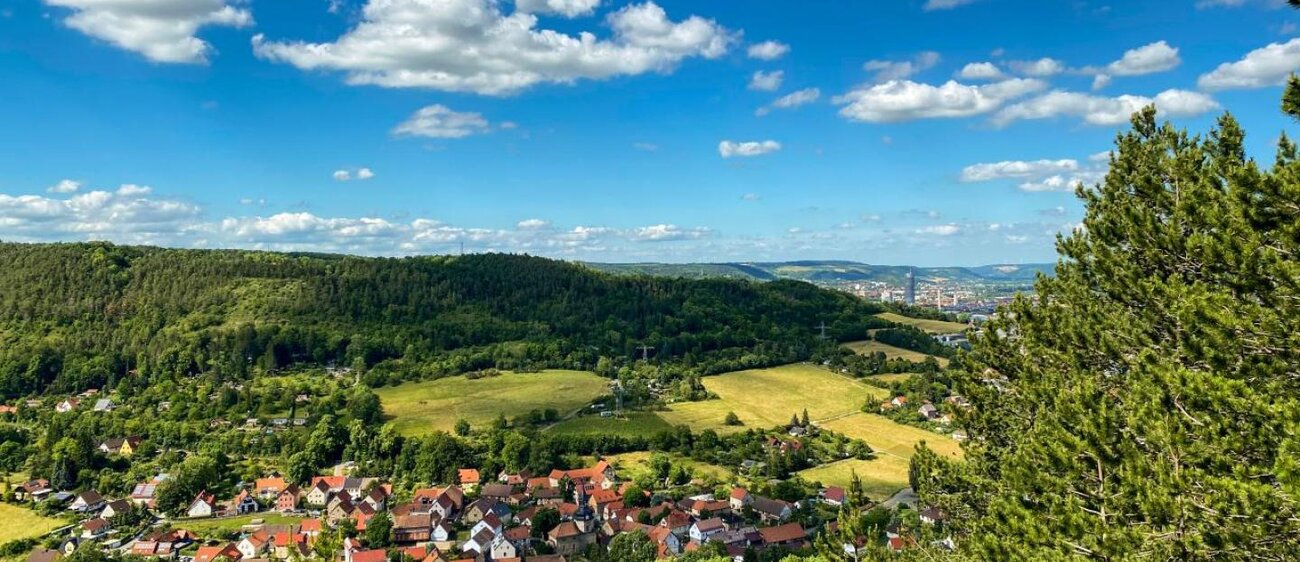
pixel 910 290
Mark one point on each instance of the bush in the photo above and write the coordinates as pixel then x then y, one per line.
pixel 732 419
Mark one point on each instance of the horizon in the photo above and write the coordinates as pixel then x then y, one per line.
pixel 526 254
pixel 675 132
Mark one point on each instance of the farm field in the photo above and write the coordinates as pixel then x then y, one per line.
pixel 894 444
pixel 22 523
pixel 880 477
pixel 635 464
pixel 632 424
pixel 226 525
pixel 888 437
pixel 424 407
pixel 765 398
pixel 891 378
pixel 870 346
pixel 932 326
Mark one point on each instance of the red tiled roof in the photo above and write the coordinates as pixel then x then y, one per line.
pixel 782 533
pixel 834 493
pixel 272 483
pixel 565 529
pixel 210 553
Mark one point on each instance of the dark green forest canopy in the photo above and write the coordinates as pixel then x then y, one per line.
pixel 79 315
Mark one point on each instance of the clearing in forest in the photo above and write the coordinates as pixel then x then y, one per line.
pixel 932 326
pixel 424 407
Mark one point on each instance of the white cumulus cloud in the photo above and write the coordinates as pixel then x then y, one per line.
pixel 441 122
pixel 792 100
pixel 886 70
pixel 566 8
pixel 65 186
pixel 1016 169
pixel 161 30
pixel 471 46
pixel 768 50
pixel 1101 110
pixel 729 149
pixel 939 230
pixel 1265 66
pixel 360 174
pixel 667 232
pixel 904 100
pixel 980 71
pixel 1147 59
pixel 766 81
pixel 533 224
pixel 1040 68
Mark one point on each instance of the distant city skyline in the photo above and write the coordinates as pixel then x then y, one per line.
pixel 909 132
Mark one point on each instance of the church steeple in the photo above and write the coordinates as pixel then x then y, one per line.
pixel 584 518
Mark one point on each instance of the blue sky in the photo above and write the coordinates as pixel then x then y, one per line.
pixel 926 132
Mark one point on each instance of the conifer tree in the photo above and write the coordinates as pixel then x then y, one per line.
pixel 1291 99
pixel 1144 404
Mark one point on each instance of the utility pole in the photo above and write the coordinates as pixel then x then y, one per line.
pixel 822 327
pixel 645 352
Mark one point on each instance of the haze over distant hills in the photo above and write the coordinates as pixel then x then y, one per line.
pixel 831 271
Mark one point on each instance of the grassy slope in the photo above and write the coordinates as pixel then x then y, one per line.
pixel 425 407
pixel 20 523
pixel 630 425
pixel 932 326
pixel 870 346
pixel 891 377
pixel 894 444
pixel 768 397
pixel 634 465
pixel 880 476
pixel 888 437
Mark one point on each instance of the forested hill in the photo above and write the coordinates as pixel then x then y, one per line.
pixel 81 315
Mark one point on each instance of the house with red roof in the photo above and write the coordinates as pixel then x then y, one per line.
pixel 210 553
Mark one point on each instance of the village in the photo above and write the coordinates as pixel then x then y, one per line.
pixel 564 515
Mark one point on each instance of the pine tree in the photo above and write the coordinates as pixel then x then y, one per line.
pixel 1144 405
pixel 1291 98
pixel 857 494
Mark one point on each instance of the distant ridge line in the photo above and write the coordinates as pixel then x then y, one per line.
pixel 830 271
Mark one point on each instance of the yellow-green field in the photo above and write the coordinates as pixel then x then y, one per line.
pixel 633 465
pixel 869 347
pixel 932 326
pixel 891 378
pixel 632 424
pixel 428 406
pixel 894 444
pixel 891 438
pixel 880 477
pixel 22 523
pixel 765 398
